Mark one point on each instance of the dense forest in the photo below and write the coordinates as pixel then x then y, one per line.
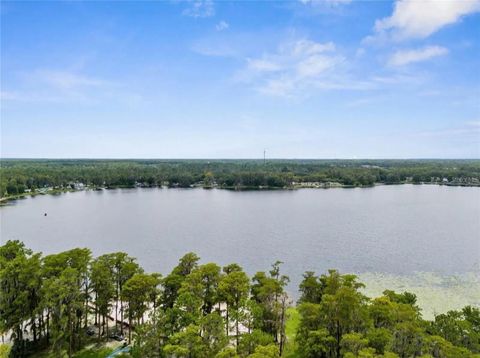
pixel 20 176
pixel 59 303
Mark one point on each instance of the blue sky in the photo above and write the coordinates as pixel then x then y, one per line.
pixel 205 79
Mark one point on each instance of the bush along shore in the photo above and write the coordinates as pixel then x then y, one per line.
pixel 19 178
pixel 55 305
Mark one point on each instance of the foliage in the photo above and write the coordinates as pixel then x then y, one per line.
pixel 202 311
pixel 338 321
pixel 17 176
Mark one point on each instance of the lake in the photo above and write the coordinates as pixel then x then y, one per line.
pixel 421 237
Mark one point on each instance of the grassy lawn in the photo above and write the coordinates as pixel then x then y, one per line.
pixel 4 350
pixel 291 330
pixel 90 352
pixel 94 351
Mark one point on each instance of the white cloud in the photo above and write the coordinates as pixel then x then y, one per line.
pixel 57 85
pixel 66 80
pixel 307 47
pixel 360 52
pixel 278 87
pixel 405 57
pixel 263 65
pixel 421 18
pixel 397 79
pixel 233 44
pixel 315 65
pixel 222 25
pixel 296 67
pixel 200 8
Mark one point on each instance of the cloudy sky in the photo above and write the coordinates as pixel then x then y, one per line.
pixel 205 79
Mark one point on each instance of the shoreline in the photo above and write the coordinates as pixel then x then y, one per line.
pixel 329 185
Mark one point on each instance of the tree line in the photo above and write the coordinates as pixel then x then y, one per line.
pixel 20 175
pixel 60 302
pixel 338 320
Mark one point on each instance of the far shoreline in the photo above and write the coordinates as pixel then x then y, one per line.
pixel 330 185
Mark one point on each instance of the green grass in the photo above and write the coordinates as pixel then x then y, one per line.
pixel 93 352
pixel 290 330
pixel 4 350
pixel 292 323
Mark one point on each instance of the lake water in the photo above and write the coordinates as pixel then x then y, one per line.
pixel 406 236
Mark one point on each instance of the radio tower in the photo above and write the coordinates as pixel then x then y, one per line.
pixel 264 157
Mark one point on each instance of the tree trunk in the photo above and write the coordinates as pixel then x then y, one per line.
pixel 116 305
pixel 48 327
pixel 20 339
pixel 40 326
pixel 282 325
pixel 99 327
pixel 121 317
pixel 103 324
pixel 226 316
pixel 70 339
pixel 86 305
pixel 121 311
pixel 129 328
pixel 339 337
pixel 154 309
pixel 237 332
pixel 34 330
pixel 96 309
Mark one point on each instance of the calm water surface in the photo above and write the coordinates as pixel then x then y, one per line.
pixel 393 230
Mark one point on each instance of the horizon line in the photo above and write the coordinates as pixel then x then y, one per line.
pixel 219 158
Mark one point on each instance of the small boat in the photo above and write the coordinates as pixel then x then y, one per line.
pixel 45 214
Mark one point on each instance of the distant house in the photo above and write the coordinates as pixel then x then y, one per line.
pixel 77 185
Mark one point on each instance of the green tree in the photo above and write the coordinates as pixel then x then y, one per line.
pixel 199 341
pixel 315 344
pixel 124 267
pixel 407 339
pixel 103 284
pixel 250 341
pixel 344 309
pixel 210 278
pixel 228 352
pixel 20 284
pixel 379 338
pixel 137 292
pixel 353 343
pixel 173 282
pixel 461 328
pixel 233 290
pixel 270 351
pixel 64 299
pixel 311 288
pixel 269 295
